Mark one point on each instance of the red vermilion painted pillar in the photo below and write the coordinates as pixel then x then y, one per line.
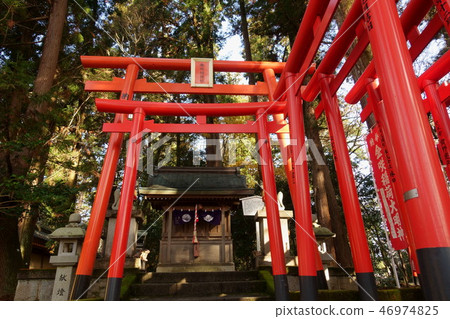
pixel 306 241
pixel 100 205
pixel 352 211
pixel 121 231
pixel 443 9
pixel 379 111
pixel 426 197
pixel 284 140
pixel 273 214
pixel 441 121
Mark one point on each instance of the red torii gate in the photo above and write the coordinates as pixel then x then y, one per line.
pixel 396 104
pixel 130 85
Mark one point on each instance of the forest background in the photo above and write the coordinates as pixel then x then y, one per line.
pixel 51 140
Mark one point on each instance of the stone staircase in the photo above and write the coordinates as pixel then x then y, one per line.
pixel 202 286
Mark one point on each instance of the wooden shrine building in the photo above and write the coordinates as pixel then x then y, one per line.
pixel 215 192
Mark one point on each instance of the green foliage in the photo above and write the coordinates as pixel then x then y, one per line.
pixel 244 241
pixel 404 294
pixel 54 202
pixel 268 278
pixel 273 26
pixel 153 225
pixel 16 75
pixel 125 288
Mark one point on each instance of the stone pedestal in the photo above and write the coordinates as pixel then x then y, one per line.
pixel 63 283
pixel 132 235
pixel 339 279
pixel 35 285
pixel 263 256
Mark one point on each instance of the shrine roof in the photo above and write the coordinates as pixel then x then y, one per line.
pixel 210 181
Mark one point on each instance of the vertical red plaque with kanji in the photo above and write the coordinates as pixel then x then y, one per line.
pixel 201 72
pixel 384 179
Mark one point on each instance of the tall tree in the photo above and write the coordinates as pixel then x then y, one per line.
pixel 30 158
pixel 247 45
pixel 36 117
pixel 39 126
pixel 201 26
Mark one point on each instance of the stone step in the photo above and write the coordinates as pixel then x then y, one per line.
pixel 219 297
pixel 186 277
pixel 198 289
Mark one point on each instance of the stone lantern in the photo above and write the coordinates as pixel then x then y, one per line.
pixel 254 206
pixel 70 239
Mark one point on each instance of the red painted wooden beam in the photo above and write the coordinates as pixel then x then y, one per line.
pixel 315 22
pixel 142 86
pixel 443 9
pixel 409 21
pixel 339 47
pixel 438 70
pixel 151 126
pixel 412 15
pixel 178 64
pixel 189 109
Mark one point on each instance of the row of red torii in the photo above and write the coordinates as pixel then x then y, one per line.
pixel 416 184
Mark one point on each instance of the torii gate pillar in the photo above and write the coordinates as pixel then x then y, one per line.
pixel 425 193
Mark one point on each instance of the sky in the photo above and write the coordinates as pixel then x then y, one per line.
pixel 233 46
pixel 232 49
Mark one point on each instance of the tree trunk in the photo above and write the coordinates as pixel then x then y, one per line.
pixel 21 161
pixel 403 269
pixel 26 227
pixel 27 223
pixel 18 99
pixel 34 117
pixel 205 46
pixel 36 114
pixel 248 57
pixel 384 254
pixel 247 47
pixel 50 51
pixel 329 213
pixel 72 177
pixel 9 256
pixel 178 150
pixel 212 150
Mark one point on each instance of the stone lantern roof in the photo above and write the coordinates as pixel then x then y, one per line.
pixel 71 230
